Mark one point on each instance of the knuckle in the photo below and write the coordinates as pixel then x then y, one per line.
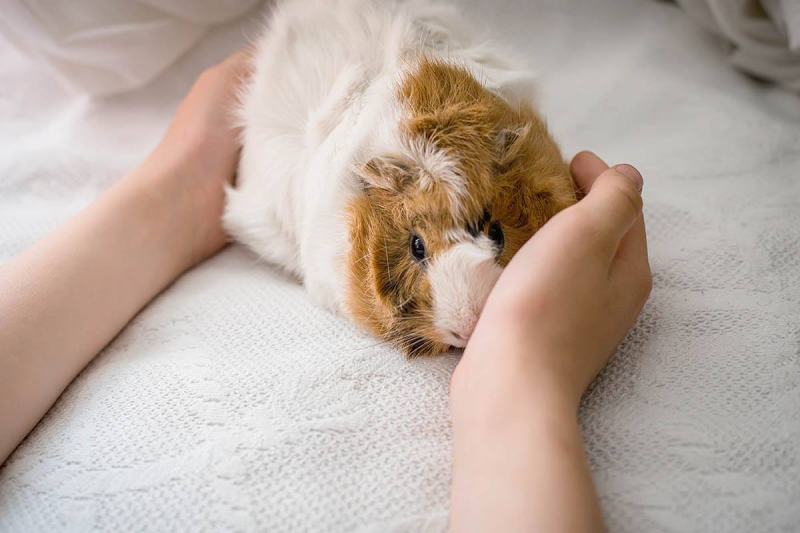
pixel 209 75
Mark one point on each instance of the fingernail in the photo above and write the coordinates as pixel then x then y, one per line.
pixel 632 174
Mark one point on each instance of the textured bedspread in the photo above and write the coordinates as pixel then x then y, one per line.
pixel 232 403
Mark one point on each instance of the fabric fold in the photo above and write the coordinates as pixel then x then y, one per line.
pixel 763 35
pixel 111 46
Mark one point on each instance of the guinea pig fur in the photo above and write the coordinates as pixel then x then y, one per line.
pixel 392 161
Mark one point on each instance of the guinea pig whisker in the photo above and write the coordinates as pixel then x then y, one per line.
pixel 386 252
pixel 363 258
pixel 412 342
pixel 418 314
pixel 399 307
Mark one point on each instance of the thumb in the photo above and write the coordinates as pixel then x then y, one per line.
pixel 614 203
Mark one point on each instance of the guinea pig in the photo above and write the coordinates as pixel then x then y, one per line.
pixel 393 162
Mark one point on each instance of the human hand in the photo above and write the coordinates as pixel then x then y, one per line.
pixel 116 254
pixel 197 158
pixel 566 299
pixel 559 309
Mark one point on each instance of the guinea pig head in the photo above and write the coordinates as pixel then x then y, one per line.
pixel 467 181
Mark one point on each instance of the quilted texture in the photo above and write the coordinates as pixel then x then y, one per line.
pixel 231 403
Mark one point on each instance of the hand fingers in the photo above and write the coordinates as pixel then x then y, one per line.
pixel 240 61
pixel 585 168
pixel 634 244
pixel 631 264
pixel 230 72
pixel 631 259
pixel 613 204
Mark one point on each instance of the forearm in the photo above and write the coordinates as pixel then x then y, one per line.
pixel 518 458
pixel 65 298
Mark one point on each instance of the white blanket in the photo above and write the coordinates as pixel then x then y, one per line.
pixel 232 403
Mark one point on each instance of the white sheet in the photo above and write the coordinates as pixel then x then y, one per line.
pixel 232 403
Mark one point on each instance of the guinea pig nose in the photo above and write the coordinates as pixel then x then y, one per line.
pixel 459 336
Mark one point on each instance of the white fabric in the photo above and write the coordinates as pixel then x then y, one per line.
pixel 233 403
pixel 108 46
pixel 764 35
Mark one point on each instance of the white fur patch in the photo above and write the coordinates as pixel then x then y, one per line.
pixel 461 279
pixel 436 165
pixel 454 236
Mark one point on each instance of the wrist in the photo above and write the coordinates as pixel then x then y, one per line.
pixel 159 207
pixel 506 383
pixel 189 205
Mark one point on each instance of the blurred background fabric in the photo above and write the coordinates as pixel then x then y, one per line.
pixel 109 46
pixel 763 35
pixel 233 403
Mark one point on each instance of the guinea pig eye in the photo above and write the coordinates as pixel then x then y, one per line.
pixel 496 234
pixel 417 248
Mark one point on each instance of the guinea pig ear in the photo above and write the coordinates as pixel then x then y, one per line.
pixel 390 173
pixel 509 141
